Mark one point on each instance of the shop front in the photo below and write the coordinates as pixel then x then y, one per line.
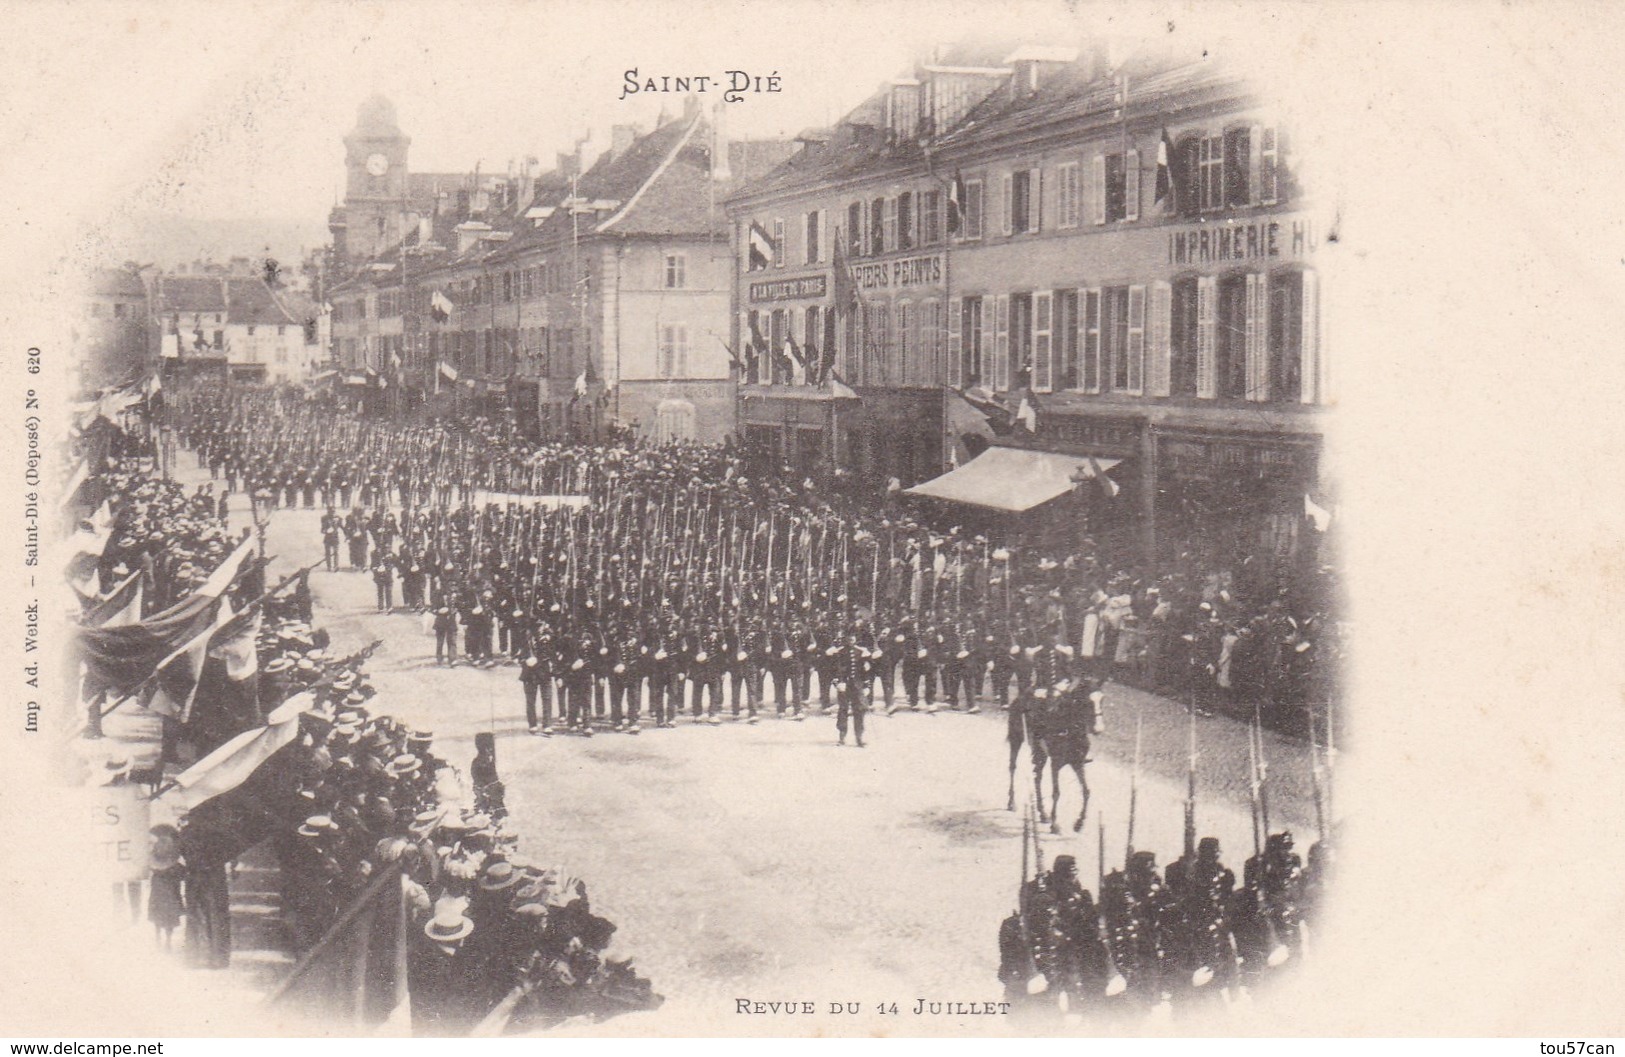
pixel 1237 497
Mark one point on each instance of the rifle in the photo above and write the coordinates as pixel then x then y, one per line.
pixel 1190 790
pixel 1133 789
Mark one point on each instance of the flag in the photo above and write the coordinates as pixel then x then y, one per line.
pixel 761 247
pixel 440 307
pixel 178 674
pixel 799 353
pixel 230 765
pixel 1027 413
pixel 119 608
pixel 1108 487
pixel 1321 516
pixel 448 370
pixel 221 578
pixel 956 204
pixel 1165 181
pixel 1000 419
pixel 234 644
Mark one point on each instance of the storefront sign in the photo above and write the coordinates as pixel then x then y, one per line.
pixel 1267 238
pixel 1198 459
pixel 119 845
pixel 1110 437
pixel 908 271
pixel 789 289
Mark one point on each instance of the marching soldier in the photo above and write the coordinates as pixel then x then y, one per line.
pixel 850 687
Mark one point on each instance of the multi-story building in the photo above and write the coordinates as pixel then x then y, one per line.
pixel 229 326
pixel 1124 252
pixel 591 296
pixel 113 334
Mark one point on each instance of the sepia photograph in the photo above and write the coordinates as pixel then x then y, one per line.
pixel 658 519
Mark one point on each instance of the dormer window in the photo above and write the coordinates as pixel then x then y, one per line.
pixel 903 107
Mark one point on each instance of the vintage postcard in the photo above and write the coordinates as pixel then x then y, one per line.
pixel 840 520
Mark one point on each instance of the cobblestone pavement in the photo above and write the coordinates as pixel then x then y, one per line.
pixel 764 862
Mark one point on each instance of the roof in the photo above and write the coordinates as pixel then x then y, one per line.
pixel 241 299
pixel 189 293
pixel 859 146
pixel 115 282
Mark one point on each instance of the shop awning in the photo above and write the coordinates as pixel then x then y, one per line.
pixel 1011 479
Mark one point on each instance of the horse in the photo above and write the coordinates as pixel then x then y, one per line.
pixel 1056 722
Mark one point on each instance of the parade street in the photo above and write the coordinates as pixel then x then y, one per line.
pixel 763 861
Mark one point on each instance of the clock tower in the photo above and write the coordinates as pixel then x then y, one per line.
pixel 375 205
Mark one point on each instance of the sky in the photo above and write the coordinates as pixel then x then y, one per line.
pixel 236 110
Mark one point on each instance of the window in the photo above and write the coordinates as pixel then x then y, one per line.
pixel 118 310
pixel 1066 339
pixel 1210 173
pixel 507 287
pixel 1091 342
pixel 1068 195
pixel 929 345
pixel 930 218
pixel 1021 341
pixel 880 338
pixel 891 225
pixel 905 221
pixel 1292 337
pixel 674 421
pixel 1118 197
pixel 814 236
pixel 904 342
pixel 674 350
pixel 877 227
pixel 676 271
pixel 854 229
pixel 1023 201
pixel 1230 338
pixel 778 242
pixel 251 330
pixel 281 329
pixel 219 339
pixel 1237 167
pixel 1043 343
pixel 1182 339
pixel 812 343
pixel 973 209
pixel 970 328
pixel 1269 159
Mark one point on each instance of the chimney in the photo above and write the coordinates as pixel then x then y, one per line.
pixel 425 231
pixel 469 233
pixel 620 138
pixel 567 165
pixel 720 172
pixel 691 107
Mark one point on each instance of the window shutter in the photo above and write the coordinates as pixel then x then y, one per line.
pixel 1257 362
pixel 1007 186
pixel 1207 292
pixel 1313 364
pixel 1136 339
pixel 956 373
pixel 1097 189
pixel 826 237
pixel 1001 341
pixel 1255 140
pixel 1035 199
pixel 1131 186
pixel 1161 330
pixel 889 237
pixel 1089 326
pixel 1043 370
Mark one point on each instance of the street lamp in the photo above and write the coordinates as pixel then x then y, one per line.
pixel 259 505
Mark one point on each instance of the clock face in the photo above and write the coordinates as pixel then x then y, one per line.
pixel 377 164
